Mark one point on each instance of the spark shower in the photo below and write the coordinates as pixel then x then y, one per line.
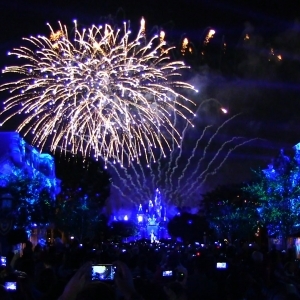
pixel 99 93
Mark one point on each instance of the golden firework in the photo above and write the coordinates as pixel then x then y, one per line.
pixel 99 93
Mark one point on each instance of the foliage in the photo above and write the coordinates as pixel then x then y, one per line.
pixel 77 216
pixel 231 211
pixel 102 230
pixel 188 227
pixel 83 177
pixel 84 189
pixel 123 229
pixel 32 201
pixel 278 192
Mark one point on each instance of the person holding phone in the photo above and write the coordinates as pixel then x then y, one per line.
pixel 80 286
pixel 124 282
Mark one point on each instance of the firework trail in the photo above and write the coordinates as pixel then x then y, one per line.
pixel 170 176
pixel 98 93
pixel 181 175
pixel 206 148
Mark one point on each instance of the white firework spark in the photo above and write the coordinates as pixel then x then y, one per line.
pixel 98 94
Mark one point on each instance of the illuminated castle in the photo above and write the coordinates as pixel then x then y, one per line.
pixel 154 212
pixel 152 218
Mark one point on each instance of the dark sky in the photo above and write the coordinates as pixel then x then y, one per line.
pixel 244 80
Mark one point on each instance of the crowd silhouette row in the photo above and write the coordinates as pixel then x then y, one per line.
pixel 149 271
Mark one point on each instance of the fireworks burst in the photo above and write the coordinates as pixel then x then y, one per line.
pixel 98 94
pixel 182 176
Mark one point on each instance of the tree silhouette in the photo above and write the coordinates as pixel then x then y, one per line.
pixel 278 192
pixel 84 189
pixel 123 229
pixel 189 227
pixel 231 212
pixel 32 200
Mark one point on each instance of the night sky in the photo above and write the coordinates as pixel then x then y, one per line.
pixel 245 77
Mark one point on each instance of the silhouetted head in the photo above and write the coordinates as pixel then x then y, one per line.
pixel 96 290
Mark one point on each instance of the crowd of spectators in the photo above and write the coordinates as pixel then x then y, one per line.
pixel 150 271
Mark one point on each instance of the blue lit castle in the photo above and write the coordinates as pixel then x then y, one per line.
pixel 152 218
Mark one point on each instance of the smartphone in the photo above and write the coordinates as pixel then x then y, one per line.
pixel 103 272
pixel 3 261
pixel 167 273
pixel 221 265
pixel 10 286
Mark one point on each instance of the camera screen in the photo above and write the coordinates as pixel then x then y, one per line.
pixel 221 265
pixel 3 261
pixel 167 273
pixel 10 286
pixel 103 272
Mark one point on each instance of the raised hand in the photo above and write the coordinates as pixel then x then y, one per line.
pixel 124 281
pixel 77 282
